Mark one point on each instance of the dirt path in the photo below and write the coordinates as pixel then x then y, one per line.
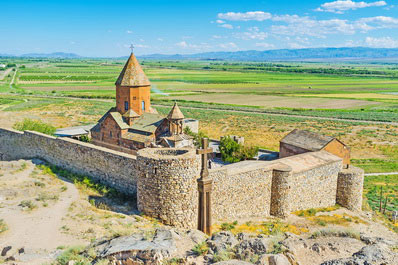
pixel 381 174
pixel 37 231
pixel 5 73
pixel 227 110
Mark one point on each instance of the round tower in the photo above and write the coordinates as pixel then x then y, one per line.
pixel 167 187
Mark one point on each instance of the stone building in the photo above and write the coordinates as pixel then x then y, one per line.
pixel 300 141
pixel 133 124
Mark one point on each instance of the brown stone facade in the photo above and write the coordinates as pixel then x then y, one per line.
pixel 135 98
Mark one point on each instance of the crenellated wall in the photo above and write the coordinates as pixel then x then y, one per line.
pixel 165 180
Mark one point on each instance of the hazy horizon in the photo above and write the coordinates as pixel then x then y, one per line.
pixel 107 28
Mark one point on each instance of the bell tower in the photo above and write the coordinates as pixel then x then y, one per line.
pixel 133 89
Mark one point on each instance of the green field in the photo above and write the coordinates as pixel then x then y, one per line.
pixel 261 101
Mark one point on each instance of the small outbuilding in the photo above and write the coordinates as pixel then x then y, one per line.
pixel 301 141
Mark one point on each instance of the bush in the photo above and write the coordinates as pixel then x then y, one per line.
pixel 3 226
pixel 27 204
pixel 197 137
pixel 72 253
pixel 200 249
pixel 233 152
pixel 34 125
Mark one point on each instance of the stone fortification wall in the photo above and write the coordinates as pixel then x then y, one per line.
pixel 241 190
pixel 167 185
pixel 260 188
pixel 165 180
pixel 350 187
pixel 110 167
pixel 311 183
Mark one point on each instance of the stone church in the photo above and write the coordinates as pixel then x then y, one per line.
pixel 133 124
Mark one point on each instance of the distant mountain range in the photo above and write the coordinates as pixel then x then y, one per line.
pixel 46 55
pixel 286 54
pixel 324 54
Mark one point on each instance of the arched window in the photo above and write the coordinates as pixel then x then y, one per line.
pixel 143 105
pixel 126 105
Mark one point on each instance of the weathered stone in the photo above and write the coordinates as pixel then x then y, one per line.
pixel 197 236
pixel 5 250
pixel 279 259
pixel 222 241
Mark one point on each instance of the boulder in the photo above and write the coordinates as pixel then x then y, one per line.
pixel 5 250
pixel 138 248
pixel 222 241
pixel 196 236
pixel 278 259
pixel 372 254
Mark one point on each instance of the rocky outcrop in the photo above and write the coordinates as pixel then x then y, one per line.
pixel 379 253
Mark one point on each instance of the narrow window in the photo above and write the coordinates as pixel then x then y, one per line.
pixel 126 105
pixel 110 134
pixel 143 105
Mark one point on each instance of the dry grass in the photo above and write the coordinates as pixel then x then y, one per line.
pixel 265 228
pixel 276 101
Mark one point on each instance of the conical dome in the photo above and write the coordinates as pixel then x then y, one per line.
pixel 175 113
pixel 132 74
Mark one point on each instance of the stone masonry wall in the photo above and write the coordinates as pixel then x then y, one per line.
pixel 165 180
pixel 167 185
pixel 116 169
pixel 241 190
pixel 350 187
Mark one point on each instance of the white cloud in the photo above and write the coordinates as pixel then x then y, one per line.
pixel 253 33
pixel 141 46
pixel 227 26
pixel 265 45
pixel 217 37
pixel 219 21
pixel 253 15
pixel 129 32
pixel 228 46
pixel 305 26
pixel 159 39
pixel 343 5
pixel 384 42
pixel 182 44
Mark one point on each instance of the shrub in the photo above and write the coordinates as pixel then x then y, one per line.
pixel 85 138
pixel 3 226
pixel 228 226
pixel 197 137
pixel 335 233
pixel 27 204
pixel 200 249
pixel 34 125
pixel 233 152
pixel 222 256
pixel 229 150
pixel 72 253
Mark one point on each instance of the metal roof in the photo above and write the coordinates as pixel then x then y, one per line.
pixel 73 131
pixel 307 140
pixel 132 74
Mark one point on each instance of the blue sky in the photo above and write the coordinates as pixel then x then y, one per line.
pixel 106 28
